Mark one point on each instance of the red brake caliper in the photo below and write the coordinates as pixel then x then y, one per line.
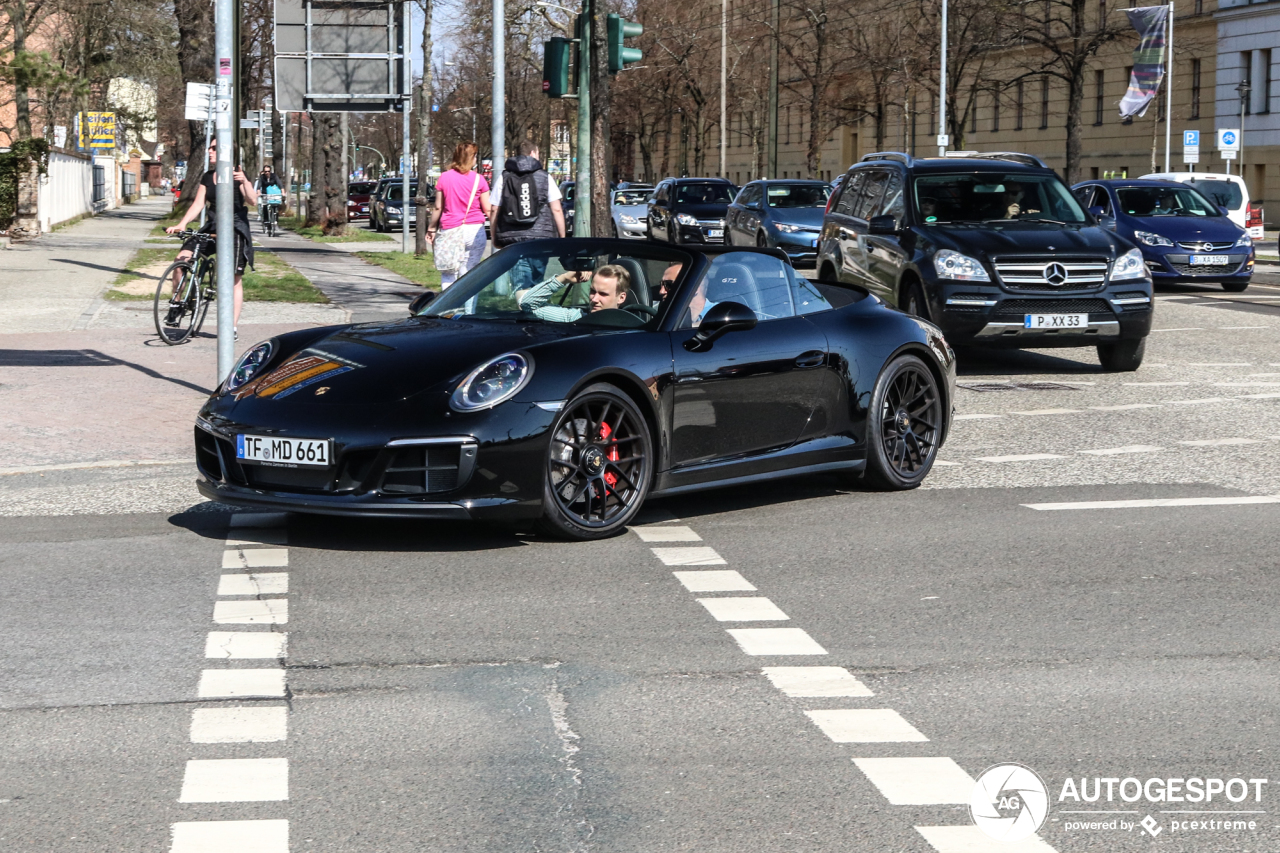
pixel 605 432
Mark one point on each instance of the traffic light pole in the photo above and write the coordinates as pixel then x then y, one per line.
pixel 226 118
pixel 582 189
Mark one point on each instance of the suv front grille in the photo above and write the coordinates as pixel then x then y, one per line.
pixel 1033 273
pixel 1015 308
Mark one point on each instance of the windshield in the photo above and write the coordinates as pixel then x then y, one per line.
pixel 1224 193
pixel 565 281
pixel 362 187
pixel 1165 201
pixel 991 196
pixel 394 191
pixel 704 194
pixel 798 195
pixel 629 197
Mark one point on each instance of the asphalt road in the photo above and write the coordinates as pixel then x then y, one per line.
pixel 470 688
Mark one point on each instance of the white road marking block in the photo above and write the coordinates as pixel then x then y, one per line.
pixel 1033 412
pixel 255 558
pixel 970 839
pixel 688 556
pixel 258 519
pixel 235 780
pixel 1153 384
pixel 939 462
pixel 1234 328
pixel 1219 364
pixel 865 725
pixel 724 580
pixel 245 645
pixel 265 536
pixel 219 836
pixel 266 611
pixel 1125 407
pixel 776 641
pixel 743 609
pixel 1186 329
pixel 671 533
pixel 1220 442
pixel 974 417
pixel 1260 396
pixel 254 583
pixel 241 683
pixel 1028 457
pixel 239 725
pixel 1157 502
pixel 802 682
pixel 1131 448
pixel 1197 401
pixel 918 781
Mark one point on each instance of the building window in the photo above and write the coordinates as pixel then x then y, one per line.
pixel 973 110
pixel 1195 88
pixel 995 110
pixel 1017 113
pixel 1102 15
pixel 1246 76
pixel 1264 92
pixel 1199 7
pixel 788 123
pixel 1044 102
pixel 1098 97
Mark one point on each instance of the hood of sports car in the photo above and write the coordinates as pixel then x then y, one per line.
pixel 385 363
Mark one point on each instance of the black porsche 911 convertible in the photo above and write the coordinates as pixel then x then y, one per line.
pixel 570 380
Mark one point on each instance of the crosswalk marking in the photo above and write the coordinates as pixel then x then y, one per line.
pixel 865 725
pixel 697 556
pixel 671 533
pixel 241 683
pixel 255 558
pixel 245 645
pixel 265 611
pixel 815 681
pixel 714 580
pixel 254 583
pixel 1131 448
pixel 219 836
pixel 263 536
pixel 1034 412
pixel 235 780
pixel 240 725
pixel 743 609
pixel 1025 457
pixel 918 781
pixel 1156 502
pixel 776 641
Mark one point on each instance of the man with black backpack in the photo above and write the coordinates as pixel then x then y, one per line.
pixel 527 208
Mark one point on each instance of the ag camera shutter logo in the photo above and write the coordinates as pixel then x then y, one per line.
pixel 1009 802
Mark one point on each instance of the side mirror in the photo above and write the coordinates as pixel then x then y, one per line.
pixel 1107 222
pixel 882 225
pixel 753 205
pixel 724 317
pixel 1225 212
pixel 1097 210
pixel 422 300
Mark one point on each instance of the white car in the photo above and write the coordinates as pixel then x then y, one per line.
pixel 629 210
pixel 1229 191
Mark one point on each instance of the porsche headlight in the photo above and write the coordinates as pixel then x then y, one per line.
pixel 250 365
pixel 1152 239
pixel 958 267
pixel 493 382
pixel 686 219
pixel 1129 266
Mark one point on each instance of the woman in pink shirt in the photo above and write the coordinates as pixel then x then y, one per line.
pixel 462 201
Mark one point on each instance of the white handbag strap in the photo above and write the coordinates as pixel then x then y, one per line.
pixel 474 186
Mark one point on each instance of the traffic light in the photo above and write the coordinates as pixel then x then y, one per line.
pixel 555 67
pixel 619 56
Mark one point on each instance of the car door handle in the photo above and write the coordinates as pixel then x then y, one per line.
pixel 812 358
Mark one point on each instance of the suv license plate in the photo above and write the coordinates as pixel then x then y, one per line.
pixel 284 452
pixel 1055 321
pixel 715 232
pixel 1209 260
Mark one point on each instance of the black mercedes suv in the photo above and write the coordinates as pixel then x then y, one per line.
pixel 992 248
pixel 690 210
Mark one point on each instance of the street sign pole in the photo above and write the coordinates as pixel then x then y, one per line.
pixel 225 120
pixel 582 189
pixel 498 133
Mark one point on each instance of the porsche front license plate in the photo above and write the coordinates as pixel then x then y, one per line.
pixel 1055 321
pixel 1209 260
pixel 284 452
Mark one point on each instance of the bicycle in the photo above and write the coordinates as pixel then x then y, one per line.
pixel 271 211
pixel 180 315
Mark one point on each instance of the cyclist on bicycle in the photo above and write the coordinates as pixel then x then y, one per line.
pixel 265 180
pixel 206 195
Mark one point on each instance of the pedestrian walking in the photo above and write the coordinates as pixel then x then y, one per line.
pixel 456 228
pixel 526 207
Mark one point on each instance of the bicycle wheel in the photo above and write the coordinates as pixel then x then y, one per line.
pixel 174 316
pixel 204 295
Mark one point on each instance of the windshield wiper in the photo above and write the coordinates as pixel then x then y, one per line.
pixel 1047 221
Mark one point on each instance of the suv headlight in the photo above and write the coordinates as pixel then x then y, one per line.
pixel 1152 239
pixel 1129 266
pixel 493 382
pixel 1245 242
pixel 250 365
pixel 393 210
pixel 787 228
pixel 958 267
pixel 686 219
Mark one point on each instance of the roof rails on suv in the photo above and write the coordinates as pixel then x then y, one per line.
pixel 905 159
pixel 1011 156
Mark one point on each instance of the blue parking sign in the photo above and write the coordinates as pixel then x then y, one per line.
pixel 1191 138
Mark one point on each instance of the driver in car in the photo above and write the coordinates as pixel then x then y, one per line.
pixel 609 287
pixel 1011 200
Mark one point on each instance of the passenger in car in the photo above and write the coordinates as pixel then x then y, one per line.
pixel 608 289
pixel 669 278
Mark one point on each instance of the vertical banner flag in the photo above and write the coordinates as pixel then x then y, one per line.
pixel 1148 59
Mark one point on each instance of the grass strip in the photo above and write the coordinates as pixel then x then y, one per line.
pixel 418 270
pixel 271 279
pixel 356 233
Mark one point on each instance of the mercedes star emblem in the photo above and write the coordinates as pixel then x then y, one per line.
pixel 1055 274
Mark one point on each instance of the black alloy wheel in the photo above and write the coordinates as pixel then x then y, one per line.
pixel 913 302
pixel 598 465
pixel 762 241
pixel 904 425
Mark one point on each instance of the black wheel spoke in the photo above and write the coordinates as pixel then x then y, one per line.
pixel 592 489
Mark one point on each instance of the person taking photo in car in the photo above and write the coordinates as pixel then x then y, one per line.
pixel 610 286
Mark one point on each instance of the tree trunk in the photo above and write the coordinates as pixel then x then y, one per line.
pixel 601 97
pixel 424 135
pixel 315 197
pixel 1075 94
pixel 21 96
pixel 335 190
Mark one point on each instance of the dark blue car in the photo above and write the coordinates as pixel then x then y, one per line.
pixel 784 215
pixel 1184 237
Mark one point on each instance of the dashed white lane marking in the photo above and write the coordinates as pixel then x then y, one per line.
pixel 258 519
pixel 865 725
pixel 975 417
pixel 241 683
pixel 775 641
pixel 1184 329
pixel 242 836
pixel 970 839
pixel 267 611
pixel 235 780
pixel 1116 451
pixel 1125 407
pixel 240 725
pixel 815 681
pixel 673 533
pixel 918 781
pixel 1219 364
pixel 1035 412
pixel 1153 384
pixel 739 609
pixel 255 558
pixel 1220 442
pixel 1260 396
pixel 688 556
pixel 1234 328
pixel 265 536
pixel 1197 401
pixel 1156 502
pixel 726 580
pixel 254 583
pixel 943 463
pixel 245 645
pixel 1026 457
